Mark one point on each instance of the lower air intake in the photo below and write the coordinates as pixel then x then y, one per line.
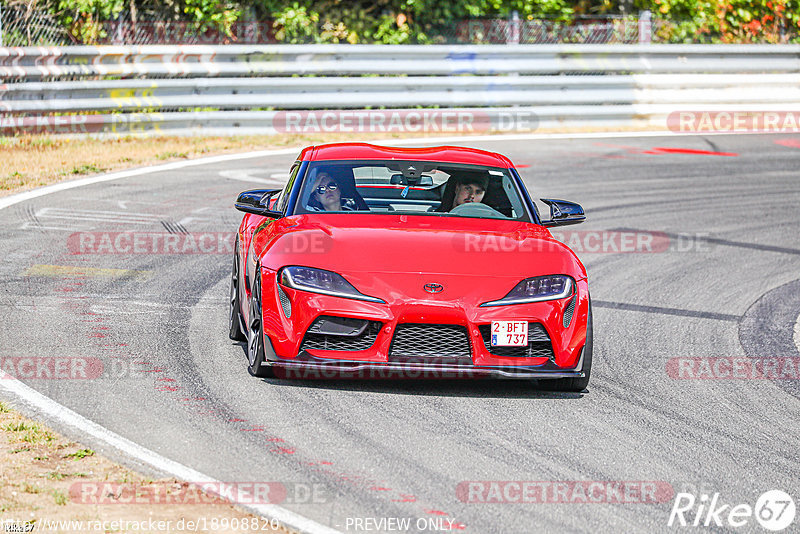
pixel 340 333
pixel 440 343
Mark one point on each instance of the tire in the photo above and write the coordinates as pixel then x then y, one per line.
pixel 256 354
pixel 235 319
pixel 576 385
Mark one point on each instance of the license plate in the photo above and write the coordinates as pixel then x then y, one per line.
pixel 509 333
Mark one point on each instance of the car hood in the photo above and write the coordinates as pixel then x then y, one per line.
pixel 380 251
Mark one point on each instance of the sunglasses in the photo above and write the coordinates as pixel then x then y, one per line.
pixel 330 187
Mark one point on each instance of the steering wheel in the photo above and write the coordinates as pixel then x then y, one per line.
pixel 477 209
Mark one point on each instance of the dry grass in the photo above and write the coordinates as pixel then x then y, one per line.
pixel 42 475
pixel 33 161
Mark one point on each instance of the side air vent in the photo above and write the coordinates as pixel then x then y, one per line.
pixel 286 304
pixel 570 309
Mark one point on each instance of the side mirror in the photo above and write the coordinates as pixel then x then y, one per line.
pixel 563 212
pixel 257 201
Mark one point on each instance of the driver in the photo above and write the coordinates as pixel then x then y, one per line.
pixel 469 186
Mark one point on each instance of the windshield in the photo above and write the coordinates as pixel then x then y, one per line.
pixel 411 187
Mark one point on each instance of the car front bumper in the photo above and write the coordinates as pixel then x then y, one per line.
pixel 307 366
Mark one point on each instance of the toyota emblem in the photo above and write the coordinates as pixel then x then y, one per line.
pixel 434 288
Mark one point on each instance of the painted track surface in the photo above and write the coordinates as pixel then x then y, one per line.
pixel 174 383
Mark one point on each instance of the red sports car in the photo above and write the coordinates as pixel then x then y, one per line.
pixel 408 262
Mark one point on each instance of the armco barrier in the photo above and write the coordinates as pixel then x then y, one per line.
pixel 151 89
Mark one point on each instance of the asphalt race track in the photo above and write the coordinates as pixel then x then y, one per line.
pixel 723 283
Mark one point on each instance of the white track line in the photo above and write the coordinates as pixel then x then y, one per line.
pixel 63 186
pixel 27 195
pixel 797 333
pixel 36 400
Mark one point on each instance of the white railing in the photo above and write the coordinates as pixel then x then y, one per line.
pixel 243 89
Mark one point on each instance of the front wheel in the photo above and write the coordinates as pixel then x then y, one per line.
pixel 255 334
pixel 575 384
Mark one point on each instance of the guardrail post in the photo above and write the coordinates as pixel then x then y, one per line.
pixel 645 27
pixel 513 35
pixel 119 37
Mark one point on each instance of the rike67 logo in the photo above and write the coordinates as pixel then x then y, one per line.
pixel 774 510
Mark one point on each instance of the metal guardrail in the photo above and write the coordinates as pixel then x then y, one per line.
pixel 351 60
pixel 121 89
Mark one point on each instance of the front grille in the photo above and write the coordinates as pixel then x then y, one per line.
pixel 351 334
pixel 442 343
pixel 539 344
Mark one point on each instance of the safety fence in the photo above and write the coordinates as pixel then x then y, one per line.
pixel 27 24
pixel 238 89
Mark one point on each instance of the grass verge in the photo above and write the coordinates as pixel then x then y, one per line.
pixel 33 161
pixel 46 478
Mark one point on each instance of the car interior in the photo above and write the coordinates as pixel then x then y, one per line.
pixel 418 188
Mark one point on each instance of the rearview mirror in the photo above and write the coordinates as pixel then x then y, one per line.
pixel 257 201
pixel 563 212
pixel 422 181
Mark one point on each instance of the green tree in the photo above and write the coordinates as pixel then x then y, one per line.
pixel 729 21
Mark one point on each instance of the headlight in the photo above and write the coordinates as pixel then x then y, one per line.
pixel 320 281
pixel 551 287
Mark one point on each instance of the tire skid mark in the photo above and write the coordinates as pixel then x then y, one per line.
pixel 276 445
pixel 280 447
pixel 324 468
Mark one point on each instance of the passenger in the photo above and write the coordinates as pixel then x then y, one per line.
pixel 465 187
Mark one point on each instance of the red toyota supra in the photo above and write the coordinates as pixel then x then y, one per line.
pixel 415 261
